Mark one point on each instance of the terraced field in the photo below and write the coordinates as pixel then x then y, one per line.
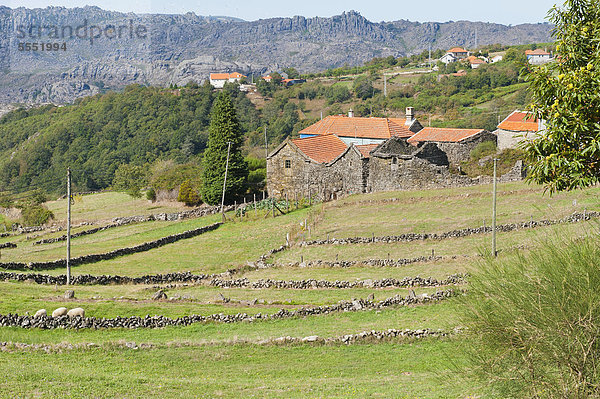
pixel 333 319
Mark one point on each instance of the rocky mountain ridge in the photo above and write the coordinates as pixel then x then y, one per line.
pixel 107 49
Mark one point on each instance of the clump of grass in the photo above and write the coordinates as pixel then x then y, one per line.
pixel 535 320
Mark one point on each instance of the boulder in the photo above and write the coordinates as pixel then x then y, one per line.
pixel 159 295
pixel 40 313
pixel 69 294
pixel 76 312
pixel 59 312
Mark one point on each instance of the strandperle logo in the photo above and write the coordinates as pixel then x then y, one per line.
pixel 83 31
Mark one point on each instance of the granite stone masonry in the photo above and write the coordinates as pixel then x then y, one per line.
pixel 26 321
pixel 109 255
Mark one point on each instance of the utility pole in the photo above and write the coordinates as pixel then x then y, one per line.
pixel 225 181
pixel 429 55
pixel 384 85
pixel 68 226
pixel 494 252
pixel 266 145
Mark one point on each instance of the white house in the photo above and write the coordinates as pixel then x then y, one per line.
pixel 538 56
pixel 218 79
pixel 454 54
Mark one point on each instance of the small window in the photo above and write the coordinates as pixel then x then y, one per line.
pixel 394 161
pixel 288 164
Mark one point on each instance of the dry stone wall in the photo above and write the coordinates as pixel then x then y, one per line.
pixel 109 255
pixel 77 322
pixel 574 218
pixel 324 284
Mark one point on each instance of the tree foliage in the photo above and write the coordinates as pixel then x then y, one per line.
pixel 130 179
pixel 566 155
pixel 188 195
pixel 224 128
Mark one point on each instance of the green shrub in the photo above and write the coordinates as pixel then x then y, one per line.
pixel 483 149
pixel 36 215
pixel 151 195
pixel 535 321
pixel 188 195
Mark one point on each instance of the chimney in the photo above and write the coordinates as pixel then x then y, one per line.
pixel 350 113
pixel 410 116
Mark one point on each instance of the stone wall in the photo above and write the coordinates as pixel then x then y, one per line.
pixel 510 139
pixel 458 152
pixel 306 177
pixel 413 173
pixel 78 322
pixel 109 255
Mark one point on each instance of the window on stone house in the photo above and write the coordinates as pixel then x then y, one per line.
pixel 288 163
pixel 394 161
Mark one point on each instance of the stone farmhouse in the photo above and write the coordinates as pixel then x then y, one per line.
pixel 218 80
pixel 343 155
pixel 517 126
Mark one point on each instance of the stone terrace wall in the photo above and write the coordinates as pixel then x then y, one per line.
pixel 109 255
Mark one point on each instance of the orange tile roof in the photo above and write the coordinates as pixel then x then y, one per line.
pixel 457 50
pixel 321 149
pixel 538 51
pixel 226 76
pixel 474 60
pixel 441 134
pixel 519 122
pixel 365 149
pixel 219 76
pixel 372 128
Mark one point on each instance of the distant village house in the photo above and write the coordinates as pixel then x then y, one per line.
pixel 538 56
pixel 454 54
pixel 218 80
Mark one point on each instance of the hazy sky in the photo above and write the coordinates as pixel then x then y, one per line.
pixel 505 12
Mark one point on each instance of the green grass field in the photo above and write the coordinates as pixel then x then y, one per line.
pixel 228 360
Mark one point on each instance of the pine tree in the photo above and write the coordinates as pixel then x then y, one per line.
pixel 224 127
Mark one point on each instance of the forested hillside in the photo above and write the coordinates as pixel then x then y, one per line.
pixel 138 126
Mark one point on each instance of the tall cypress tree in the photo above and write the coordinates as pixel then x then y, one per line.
pixel 224 127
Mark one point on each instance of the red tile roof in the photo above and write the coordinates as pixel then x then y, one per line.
pixel 519 122
pixel 474 60
pixel 457 50
pixel 226 76
pixel 440 134
pixel 365 149
pixel 219 76
pixel 371 128
pixel 538 51
pixel 321 149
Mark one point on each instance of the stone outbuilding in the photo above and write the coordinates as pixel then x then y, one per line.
pixel 325 167
pixel 457 144
pixel 517 126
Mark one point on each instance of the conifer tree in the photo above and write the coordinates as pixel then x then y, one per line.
pixel 224 127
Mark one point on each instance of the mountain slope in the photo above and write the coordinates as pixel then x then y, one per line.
pixel 178 48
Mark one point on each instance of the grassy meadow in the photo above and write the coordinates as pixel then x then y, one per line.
pixel 230 360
